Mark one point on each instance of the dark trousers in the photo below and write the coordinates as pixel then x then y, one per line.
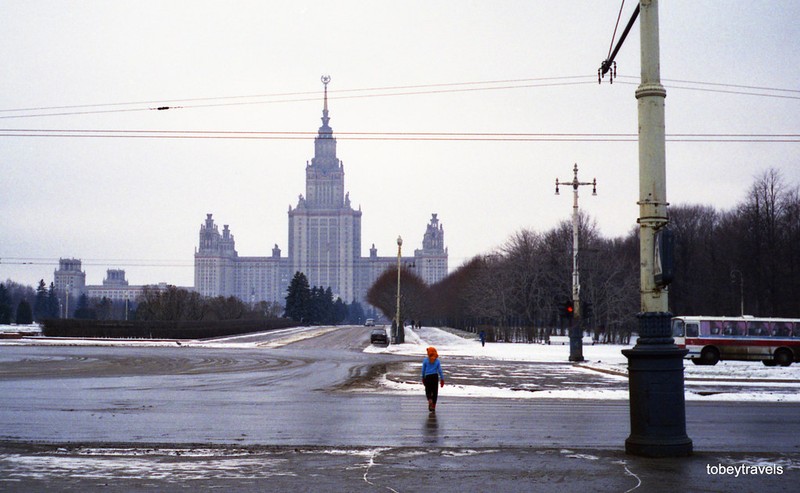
pixel 432 387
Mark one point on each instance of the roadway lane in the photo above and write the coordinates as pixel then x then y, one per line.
pixel 293 395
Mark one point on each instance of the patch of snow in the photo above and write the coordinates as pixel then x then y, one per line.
pixel 781 383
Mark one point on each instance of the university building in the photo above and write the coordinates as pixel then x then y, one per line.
pixel 324 242
pixel 69 281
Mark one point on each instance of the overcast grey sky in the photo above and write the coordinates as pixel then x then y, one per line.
pixel 136 201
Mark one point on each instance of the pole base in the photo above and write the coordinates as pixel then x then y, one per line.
pixel 656 386
pixel 653 448
pixel 575 344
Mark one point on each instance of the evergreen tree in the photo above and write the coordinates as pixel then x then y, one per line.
pixel 53 308
pixel 24 313
pixel 5 305
pixel 104 309
pixel 339 312
pixel 83 311
pixel 355 313
pixel 315 306
pixel 326 305
pixel 298 297
pixel 40 303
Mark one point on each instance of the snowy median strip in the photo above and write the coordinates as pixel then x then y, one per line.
pixel 782 383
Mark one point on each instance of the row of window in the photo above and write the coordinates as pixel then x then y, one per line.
pixel 716 328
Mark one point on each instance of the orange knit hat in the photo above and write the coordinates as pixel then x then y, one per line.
pixel 432 354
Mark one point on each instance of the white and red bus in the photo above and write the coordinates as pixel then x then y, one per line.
pixel 774 341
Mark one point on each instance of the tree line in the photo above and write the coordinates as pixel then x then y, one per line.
pixel 179 304
pixel 748 256
pixel 22 304
pixel 316 305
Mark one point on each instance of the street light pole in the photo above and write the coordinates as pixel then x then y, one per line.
pixel 576 333
pixel 655 364
pixel 66 299
pixel 399 332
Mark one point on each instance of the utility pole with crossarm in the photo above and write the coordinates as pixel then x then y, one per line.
pixel 576 332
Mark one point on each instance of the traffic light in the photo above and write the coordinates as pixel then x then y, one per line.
pixel 569 309
pixel 586 309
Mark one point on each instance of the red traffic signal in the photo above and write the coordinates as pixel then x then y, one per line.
pixel 569 309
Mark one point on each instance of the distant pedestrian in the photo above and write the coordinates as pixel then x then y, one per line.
pixel 483 338
pixel 431 371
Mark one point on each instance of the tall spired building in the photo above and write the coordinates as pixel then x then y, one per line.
pixel 324 230
pixel 324 242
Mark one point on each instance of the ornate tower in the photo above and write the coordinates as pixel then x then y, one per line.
pixel 69 279
pixel 214 261
pixel 324 230
pixel 325 173
pixel 431 261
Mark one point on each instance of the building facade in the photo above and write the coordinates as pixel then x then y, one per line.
pixel 324 242
pixel 69 281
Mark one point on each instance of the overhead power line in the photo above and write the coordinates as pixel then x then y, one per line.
pixel 395 136
pixel 293 97
pixel 98 262
pixel 370 92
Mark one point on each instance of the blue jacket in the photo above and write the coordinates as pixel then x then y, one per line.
pixel 429 368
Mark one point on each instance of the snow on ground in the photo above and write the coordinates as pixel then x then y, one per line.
pixel 277 338
pixel 280 337
pixel 34 329
pixel 450 344
pixel 782 383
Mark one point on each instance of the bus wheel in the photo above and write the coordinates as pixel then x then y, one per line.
pixel 783 357
pixel 709 356
pixel 769 362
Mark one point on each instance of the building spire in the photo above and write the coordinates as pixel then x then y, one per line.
pixel 325 129
pixel 325 143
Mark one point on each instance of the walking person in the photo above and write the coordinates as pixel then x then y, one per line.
pixel 431 373
pixel 483 338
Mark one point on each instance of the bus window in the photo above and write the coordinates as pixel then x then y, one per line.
pixel 692 330
pixel 781 329
pixel 796 331
pixel 713 328
pixel 733 329
pixel 756 329
pixel 677 328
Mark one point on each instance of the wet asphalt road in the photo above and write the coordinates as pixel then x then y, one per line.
pixel 297 398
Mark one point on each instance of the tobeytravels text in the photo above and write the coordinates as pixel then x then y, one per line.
pixel 744 470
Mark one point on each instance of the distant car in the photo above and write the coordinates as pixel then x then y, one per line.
pixel 378 336
pixel 370 322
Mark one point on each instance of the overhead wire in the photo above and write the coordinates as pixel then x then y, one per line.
pixel 97 262
pixel 717 88
pixel 283 94
pixel 398 136
pixel 616 26
pixel 374 92
pixel 371 92
pixel 52 261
